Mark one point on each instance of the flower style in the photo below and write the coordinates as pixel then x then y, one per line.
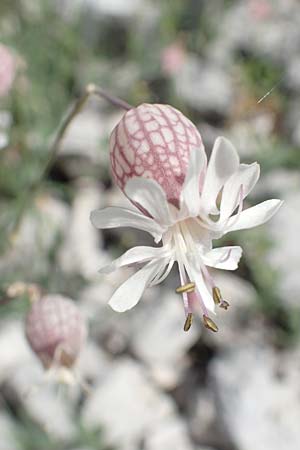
pixel 201 203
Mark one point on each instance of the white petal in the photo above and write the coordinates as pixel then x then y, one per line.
pixel 202 237
pixel 121 217
pixel 252 217
pixel 135 255
pixel 224 161
pixel 150 195
pixel 246 176
pixel 196 276
pixel 190 195
pixel 164 272
pixel 226 258
pixel 130 292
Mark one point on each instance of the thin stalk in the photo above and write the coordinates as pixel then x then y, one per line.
pixel 90 90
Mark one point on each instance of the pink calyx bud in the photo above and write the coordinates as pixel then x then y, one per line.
pixel 56 331
pixel 153 141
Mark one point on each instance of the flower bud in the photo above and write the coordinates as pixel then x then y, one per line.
pixel 55 330
pixel 153 141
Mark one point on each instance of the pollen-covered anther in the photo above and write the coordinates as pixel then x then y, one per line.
pixel 217 296
pixel 210 324
pixel 188 322
pixel 224 304
pixel 187 288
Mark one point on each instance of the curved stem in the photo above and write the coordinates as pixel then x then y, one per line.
pixel 90 90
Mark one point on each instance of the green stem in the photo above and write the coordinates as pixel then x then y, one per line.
pixel 90 90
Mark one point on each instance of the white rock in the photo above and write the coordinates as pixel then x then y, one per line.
pixel 252 136
pixel 241 296
pixel 42 402
pixel 115 330
pixel 283 230
pixel 12 337
pixel 292 77
pixel 37 234
pixel 258 397
pixel 128 406
pixel 160 341
pixel 292 121
pixel 278 183
pixel 102 9
pixel 203 416
pixel 204 447
pixel 171 434
pixel 23 373
pixel 3 140
pixel 5 125
pixel 93 364
pixel 284 255
pixel 81 250
pixel 275 36
pixel 82 448
pixel 117 8
pixel 204 86
pixel 88 134
pixel 5 119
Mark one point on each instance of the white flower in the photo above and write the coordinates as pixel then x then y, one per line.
pixel 211 205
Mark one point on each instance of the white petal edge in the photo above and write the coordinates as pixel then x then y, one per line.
pixel 246 176
pixel 130 292
pixel 225 258
pixel 150 195
pixel 113 217
pixel 252 217
pixel 163 274
pixel 135 255
pixel 190 195
pixel 224 161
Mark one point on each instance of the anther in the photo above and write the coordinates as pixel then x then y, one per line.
pixel 210 324
pixel 224 304
pixel 217 296
pixel 189 287
pixel 188 322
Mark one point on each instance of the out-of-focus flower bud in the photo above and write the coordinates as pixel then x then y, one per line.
pixel 56 331
pixel 172 58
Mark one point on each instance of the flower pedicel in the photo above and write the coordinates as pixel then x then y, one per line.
pixel 159 162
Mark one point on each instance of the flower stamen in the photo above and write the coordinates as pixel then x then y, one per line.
pixel 217 296
pixel 224 304
pixel 188 322
pixel 210 324
pixel 187 288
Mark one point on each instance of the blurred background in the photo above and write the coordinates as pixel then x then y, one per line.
pixel 152 386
